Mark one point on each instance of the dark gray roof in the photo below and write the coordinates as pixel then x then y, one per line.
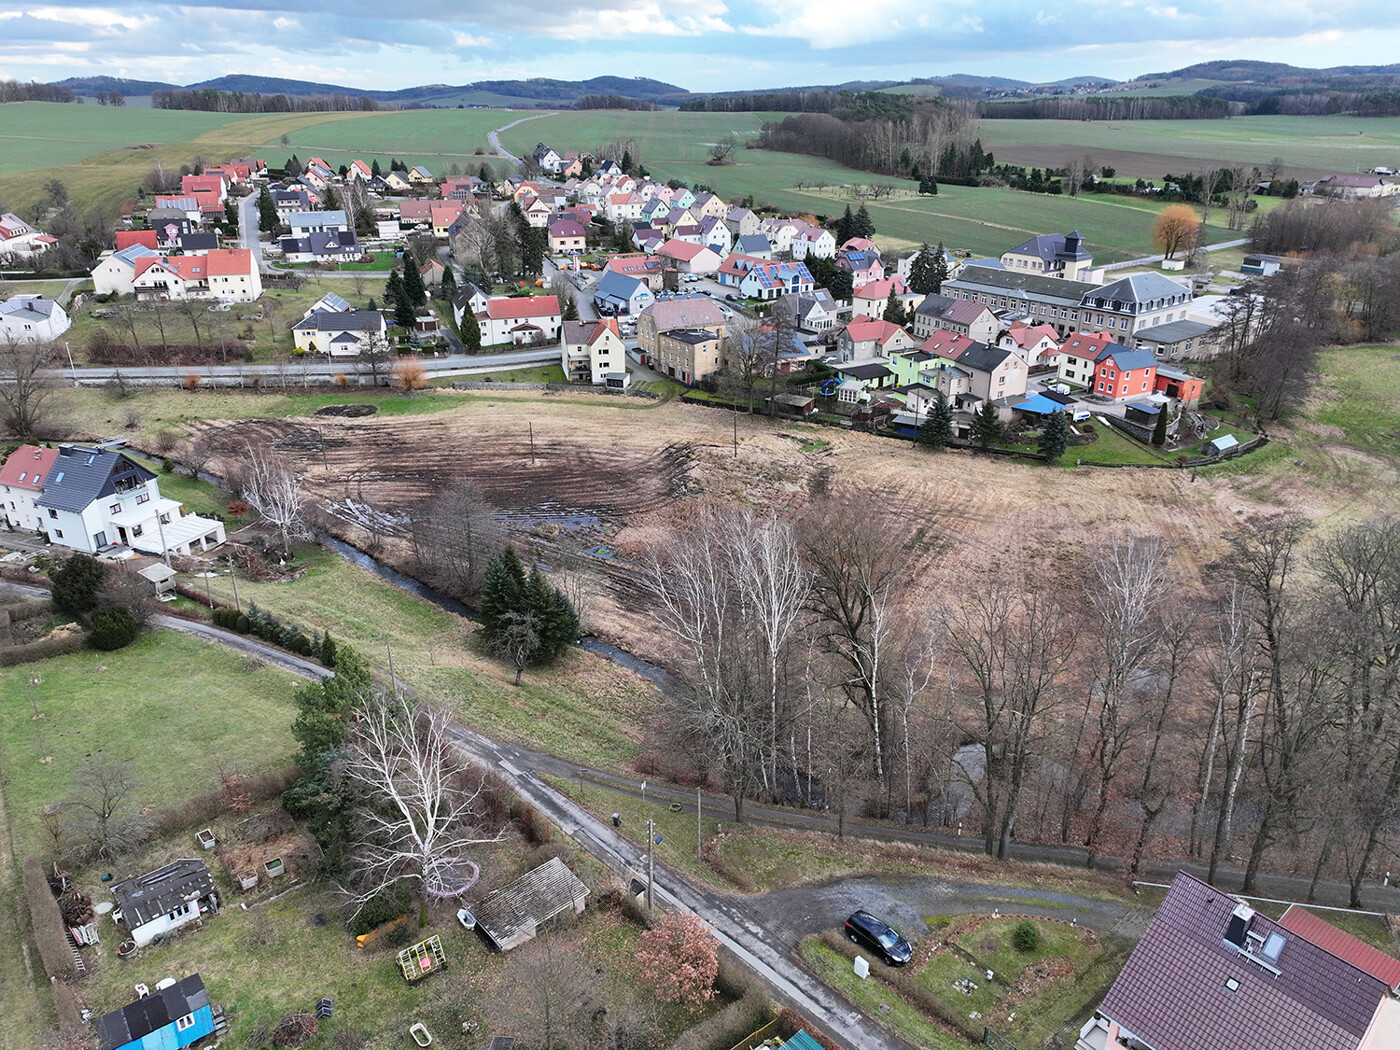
pixel 1138 289
pixel 1173 992
pixel 198 242
pixel 1173 331
pixel 151 1013
pixel 865 371
pixel 322 242
pixel 1125 357
pixel 1024 285
pixel 343 321
pixel 1049 247
pixel 148 896
pixel 753 244
pixel 83 473
pixel 983 358
pixel 693 336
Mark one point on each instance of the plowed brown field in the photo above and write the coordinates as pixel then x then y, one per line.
pixel 606 477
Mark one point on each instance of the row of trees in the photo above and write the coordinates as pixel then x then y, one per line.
pixel 927 139
pixel 211 100
pixel 1128 713
pixel 1096 107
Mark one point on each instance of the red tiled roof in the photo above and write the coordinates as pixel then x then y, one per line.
pixel 29 461
pixel 1024 335
pixel 682 250
pixel 881 331
pixel 126 238
pixel 607 325
pixel 526 306
pixel 186 267
pixel 226 262
pixel 1081 344
pixel 942 343
pixel 1343 945
pixel 880 289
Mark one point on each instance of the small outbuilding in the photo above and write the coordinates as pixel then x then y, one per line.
pixel 160 576
pixel 793 404
pixel 1261 265
pixel 165 899
pixel 513 914
pixel 1219 446
pixel 167 1019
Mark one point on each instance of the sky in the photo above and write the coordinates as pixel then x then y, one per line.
pixel 700 45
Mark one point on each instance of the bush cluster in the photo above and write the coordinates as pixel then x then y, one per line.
pixel 270 629
pixel 113 628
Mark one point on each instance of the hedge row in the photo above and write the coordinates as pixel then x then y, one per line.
pixel 749 1010
pixel 27 610
pixel 205 808
pixel 269 628
pixel 42 649
pixel 47 922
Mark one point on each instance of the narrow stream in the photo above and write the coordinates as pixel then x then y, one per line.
pixel 621 657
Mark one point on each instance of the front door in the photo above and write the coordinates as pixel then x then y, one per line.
pixel 121 533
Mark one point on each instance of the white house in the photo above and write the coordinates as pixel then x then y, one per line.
pixel 305 223
pixel 229 275
pixel 333 328
pixel 19 239
pixel 689 258
pixel 165 899
pixel 93 498
pixel 115 274
pixel 526 321
pixel 714 234
pixel 592 350
pixel 31 319
pixel 815 242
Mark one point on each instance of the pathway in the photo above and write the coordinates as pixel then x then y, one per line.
pixel 493 136
pixel 1149 259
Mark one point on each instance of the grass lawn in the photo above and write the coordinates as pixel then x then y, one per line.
pixel 203 698
pixel 877 999
pixel 1112 446
pixel 1366 402
pixel 534 374
pixel 435 139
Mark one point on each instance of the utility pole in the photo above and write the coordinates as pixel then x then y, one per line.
pixel 322 435
pixel 532 443
pixel 651 859
pixel 233 575
pixel 697 821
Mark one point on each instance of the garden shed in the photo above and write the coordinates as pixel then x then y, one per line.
pixel 165 899
pixel 512 915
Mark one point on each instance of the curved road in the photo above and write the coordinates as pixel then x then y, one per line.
pixel 493 136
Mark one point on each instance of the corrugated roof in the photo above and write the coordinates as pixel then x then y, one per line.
pixel 537 896
pixel 149 896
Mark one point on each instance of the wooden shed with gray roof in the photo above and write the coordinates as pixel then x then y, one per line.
pixel 513 914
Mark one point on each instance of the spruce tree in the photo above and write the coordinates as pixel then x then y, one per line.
pixel 863 225
pixel 1054 437
pixel 986 426
pixel 413 282
pixel 470 332
pixel 569 307
pixel 843 227
pixel 447 287
pixel 1159 432
pixel 404 312
pixel 375 169
pixel 330 200
pixel 894 309
pixel 556 622
pixel 267 211
pixel 921 276
pixel 231 214
pixel 940 267
pixel 503 590
pixel 393 292
pixel 937 430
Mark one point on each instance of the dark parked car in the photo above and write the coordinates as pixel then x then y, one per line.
pixel 731 297
pixel 885 941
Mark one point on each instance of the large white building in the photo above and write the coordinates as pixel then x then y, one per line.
pixel 229 275
pixel 94 498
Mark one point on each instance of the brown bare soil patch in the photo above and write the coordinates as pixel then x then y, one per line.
pixel 600 481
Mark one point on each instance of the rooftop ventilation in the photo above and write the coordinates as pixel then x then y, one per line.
pixel 1239 925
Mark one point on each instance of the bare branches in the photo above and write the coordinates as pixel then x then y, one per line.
pixel 25 386
pixel 270 485
pixel 420 819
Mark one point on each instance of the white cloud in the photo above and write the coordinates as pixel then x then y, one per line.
pixel 644 19
pixel 460 39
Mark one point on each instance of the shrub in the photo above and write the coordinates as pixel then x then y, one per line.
pixel 383 907
pixel 242 626
pixel 679 958
pixel 75 584
pixel 190 382
pixel 1025 937
pixel 238 508
pixel 44 648
pixel 113 628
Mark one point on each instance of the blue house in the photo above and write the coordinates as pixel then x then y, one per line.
pixel 167 1019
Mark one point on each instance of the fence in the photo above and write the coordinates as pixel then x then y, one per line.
pixel 758 1038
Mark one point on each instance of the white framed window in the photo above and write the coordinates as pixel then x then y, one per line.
pixel 185 1022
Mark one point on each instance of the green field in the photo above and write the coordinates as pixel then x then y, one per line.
pixel 433 138
pixel 202 697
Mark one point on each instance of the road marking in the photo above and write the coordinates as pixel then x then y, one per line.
pixel 509 768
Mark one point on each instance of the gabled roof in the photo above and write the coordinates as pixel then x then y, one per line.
pixel 700 312
pixel 322 242
pixel 586 333
pixel 566 228
pixel 942 343
pixel 342 321
pixel 83 473
pixel 1126 358
pixel 1344 946
pixel 956 311
pixel 316 219
pixel 881 289
pixel 861 331
pixel 1137 289
pixel 984 358
pixel 1027 285
pixel 127 256
pixel 505 309
pixel 513 911
pixel 1028 335
pixel 751 243
pixel 1186 987
pixel 619 286
pixel 126 238
pixel 1085 345
pixel 27 466
pixel 1049 247
pixel 149 1014
pixel 683 251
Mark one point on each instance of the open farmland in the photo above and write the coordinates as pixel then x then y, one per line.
pixel 1148 149
pixel 607 479
pixel 433 138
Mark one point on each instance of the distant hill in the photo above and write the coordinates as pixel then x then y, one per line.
pixel 1244 79
pixel 122 86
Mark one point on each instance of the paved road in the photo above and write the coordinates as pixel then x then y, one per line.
pixel 492 136
pixel 1146 259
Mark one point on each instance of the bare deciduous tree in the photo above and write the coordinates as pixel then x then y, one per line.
pixel 518 641
pixel 454 535
pixel 270 485
pixel 103 789
pixel 25 386
pixel 420 820
pixel 722 152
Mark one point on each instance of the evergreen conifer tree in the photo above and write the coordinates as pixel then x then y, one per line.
pixel 267 211
pixel 986 426
pixel 1054 437
pixel 503 589
pixel 413 282
pixel 894 309
pixel 843 227
pixel 1159 431
pixel 937 430
pixel 470 332
pixel 921 274
pixel 863 225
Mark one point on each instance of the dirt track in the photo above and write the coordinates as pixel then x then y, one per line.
pixel 607 476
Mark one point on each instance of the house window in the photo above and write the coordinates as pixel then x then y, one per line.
pixel 53 513
pixel 115 508
pixel 143 498
pixel 58 533
pixel 136 530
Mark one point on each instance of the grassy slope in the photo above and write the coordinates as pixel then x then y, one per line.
pixel 433 138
